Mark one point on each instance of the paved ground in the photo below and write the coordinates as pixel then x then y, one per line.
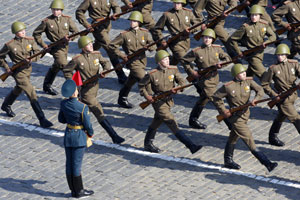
pixel 32 159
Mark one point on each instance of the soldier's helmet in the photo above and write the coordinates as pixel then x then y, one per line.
pixel 256 9
pixel 83 41
pixel 209 32
pixel 237 68
pixel 17 26
pixel 57 4
pixel 68 88
pixel 179 1
pixel 283 49
pixel 136 16
pixel 161 54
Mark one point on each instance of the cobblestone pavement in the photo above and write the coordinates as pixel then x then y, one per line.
pixel 33 161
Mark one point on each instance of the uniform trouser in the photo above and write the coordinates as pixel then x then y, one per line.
pixel 223 35
pixel 148 21
pixel 135 75
pixel 89 97
pixel 74 157
pixel 241 130
pixel 294 37
pixel 163 114
pixel 286 109
pixel 179 49
pixel 60 59
pixel 255 65
pixel 265 16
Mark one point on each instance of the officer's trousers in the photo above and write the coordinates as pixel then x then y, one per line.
pixel 74 157
pixel 60 59
pixel 179 49
pixel 256 66
pixel 135 75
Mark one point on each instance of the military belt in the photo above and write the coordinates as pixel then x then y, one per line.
pixel 75 126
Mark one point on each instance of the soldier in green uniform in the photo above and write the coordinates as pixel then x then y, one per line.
pixel 98 9
pixel 216 8
pixel 291 11
pixel 237 92
pixel 19 49
pixel 132 40
pixel 176 20
pixel 88 63
pixel 207 55
pixel 284 74
pixel 163 79
pixel 56 27
pixel 251 34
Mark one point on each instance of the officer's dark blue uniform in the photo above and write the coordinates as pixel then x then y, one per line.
pixel 75 114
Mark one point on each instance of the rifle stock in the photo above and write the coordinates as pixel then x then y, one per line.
pixel 282 30
pixel 163 95
pixel 283 95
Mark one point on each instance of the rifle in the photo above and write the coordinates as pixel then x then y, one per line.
pixel 163 95
pixel 282 30
pixel 215 20
pixel 135 3
pixel 283 95
pixel 235 109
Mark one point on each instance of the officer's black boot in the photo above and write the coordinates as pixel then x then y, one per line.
pixel 228 157
pixel 193 121
pixel 148 142
pixel 49 78
pixel 297 125
pixel 40 114
pixel 228 124
pixel 121 76
pixel 111 132
pixel 274 130
pixel 70 184
pixel 187 142
pixel 78 187
pixel 264 160
pixel 122 100
pixel 6 105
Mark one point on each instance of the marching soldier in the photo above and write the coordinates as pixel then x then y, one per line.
pixel 75 115
pixel 291 11
pixel 284 74
pixel 19 49
pixel 132 40
pixel 88 63
pixel 176 20
pixel 207 55
pixel 237 92
pixel 163 79
pixel 99 9
pixel 250 35
pixel 56 27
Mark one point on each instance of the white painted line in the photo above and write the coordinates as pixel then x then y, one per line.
pixel 158 156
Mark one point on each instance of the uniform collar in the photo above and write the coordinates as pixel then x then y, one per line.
pixel 161 69
pixel 18 38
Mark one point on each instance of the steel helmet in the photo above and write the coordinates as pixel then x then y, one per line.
pixel 83 41
pixel 161 54
pixel 257 9
pixel 179 1
pixel 57 4
pixel 136 16
pixel 209 32
pixel 237 68
pixel 17 26
pixel 283 49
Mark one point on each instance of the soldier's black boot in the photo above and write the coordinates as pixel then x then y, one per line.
pixel 228 124
pixel 70 184
pixel 78 188
pixel 148 142
pixel 121 76
pixel 193 120
pixel 297 125
pixel 122 100
pixel 187 142
pixel 264 160
pixel 228 157
pixel 111 132
pixel 40 114
pixel 49 78
pixel 274 130
pixel 6 105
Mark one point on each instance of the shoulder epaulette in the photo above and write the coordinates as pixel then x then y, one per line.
pixel 196 49
pixel 172 67
pixel 286 2
pixel 228 83
pixel 292 61
pixel 77 56
pixel 143 29
pixel 65 16
pixel 216 45
pixel 263 21
pixel 249 78
pixel 95 52
pixel 46 19
pixel 29 38
pixel 272 66
pixel 152 71
pixel 186 9
pixel 245 24
pixel 125 31
pixel 9 41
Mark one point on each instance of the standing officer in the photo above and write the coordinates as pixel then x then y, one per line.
pixel 284 74
pixel 99 9
pixel 132 40
pixel 291 11
pixel 216 8
pixel 88 63
pixel 75 115
pixel 163 79
pixel 176 20
pixel 205 56
pixel 250 35
pixel 237 92
pixel 56 27
pixel 19 49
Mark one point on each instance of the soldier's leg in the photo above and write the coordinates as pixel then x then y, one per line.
pixel 196 112
pixel 150 135
pixel 179 50
pixel 229 149
pixel 149 22
pixel 289 110
pixel 222 34
pixel 255 66
pixel 68 151
pixel 265 16
pixel 9 100
pixel 274 130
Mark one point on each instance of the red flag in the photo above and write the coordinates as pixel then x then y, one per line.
pixel 77 78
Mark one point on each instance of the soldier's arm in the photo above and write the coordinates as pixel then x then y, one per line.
pixel 37 34
pixel 115 7
pixel 72 27
pixel 223 55
pixel 35 49
pixel 235 37
pixel 104 62
pixel 195 21
pixel 3 52
pixel 143 85
pixel 218 99
pixel 61 116
pixel 149 41
pixel 126 2
pixel 199 7
pixel 115 45
pixel 258 90
pixel 86 122
pixel 271 35
pixel 266 83
pixel 69 68
pixel 278 14
pixel 159 27
pixel 178 78
pixel 232 4
pixel 80 13
pixel 187 60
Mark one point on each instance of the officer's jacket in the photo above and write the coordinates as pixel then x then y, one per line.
pixel 252 34
pixel 88 65
pixel 213 7
pixel 283 74
pixel 160 80
pixel 97 9
pixel 55 28
pixel 291 11
pixel 237 93
pixel 75 113
pixel 19 49
pixel 143 7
